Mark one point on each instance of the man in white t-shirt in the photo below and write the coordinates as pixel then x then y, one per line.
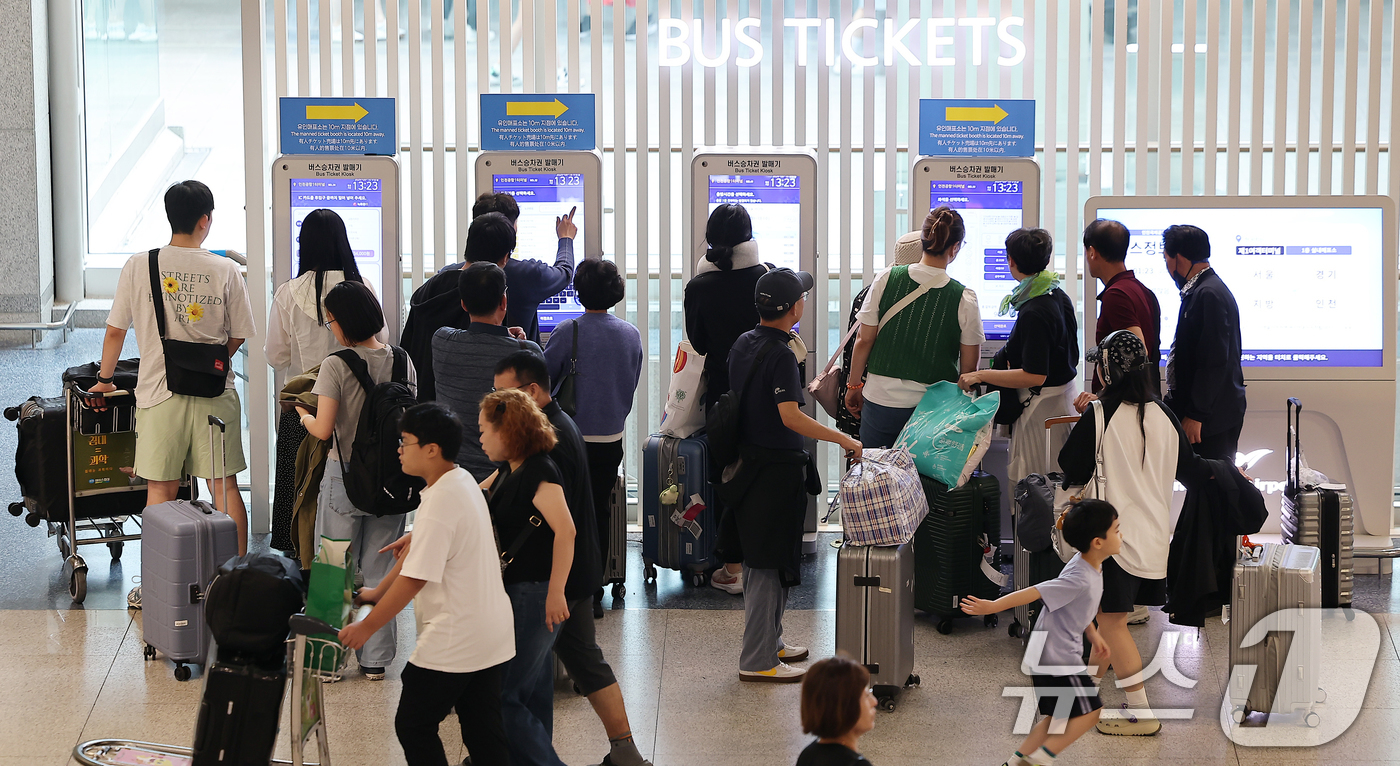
pixel 205 301
pixel 467 629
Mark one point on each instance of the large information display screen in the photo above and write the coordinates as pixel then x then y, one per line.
pixel 991 210
pixel 774 203
pixel 544 197
pixel 358 202
pixel 1309 281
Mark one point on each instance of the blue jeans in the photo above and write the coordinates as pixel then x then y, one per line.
pixel 337 519
pixel 880 425
pixel 527 690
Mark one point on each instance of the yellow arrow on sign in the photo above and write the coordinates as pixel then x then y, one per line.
pixel 353 113
pixel 553 108
pixel 993 114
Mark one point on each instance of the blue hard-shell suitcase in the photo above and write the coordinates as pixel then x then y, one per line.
pixel 688 546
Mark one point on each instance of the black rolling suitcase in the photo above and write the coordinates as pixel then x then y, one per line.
pixel 240 711
pixel 951 547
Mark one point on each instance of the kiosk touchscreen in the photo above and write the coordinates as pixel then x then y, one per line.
pixel 363 191
pixel 547 186
pixel 995 198
pixel 1314 280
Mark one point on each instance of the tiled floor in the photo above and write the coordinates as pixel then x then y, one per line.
pixel 70 674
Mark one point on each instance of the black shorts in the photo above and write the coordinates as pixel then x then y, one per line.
pixel 1122 591
pixel 1074 695
pixel 577 648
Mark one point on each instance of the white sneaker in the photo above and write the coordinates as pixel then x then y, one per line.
pixel 793 653
pixel 782 674
pixel 1126 722
pixel 1140 615
pixel 723 580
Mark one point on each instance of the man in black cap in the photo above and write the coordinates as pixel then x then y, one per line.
pixel 767 492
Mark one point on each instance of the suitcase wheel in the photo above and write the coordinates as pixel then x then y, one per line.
pixel 698 579
pixel 1015 630
pixel 913 681
pixel 945 625
pixel 77 585
pixel 990 621
pixel 1312 720
pixel 116 549
pixel 619 590
pixel 182 672
pixel 649 574
pixel 887 704
pixel 1238 713
pixel 16 509
pixel 32 519
pixel 1321 696
pixel 149 652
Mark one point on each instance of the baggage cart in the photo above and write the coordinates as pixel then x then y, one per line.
pixel 306 654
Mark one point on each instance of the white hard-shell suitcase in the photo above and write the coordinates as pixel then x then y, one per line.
pixel 875 614
pixel 1278 673
pixel 183 542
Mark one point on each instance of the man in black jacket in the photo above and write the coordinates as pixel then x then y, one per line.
pixel 1204 378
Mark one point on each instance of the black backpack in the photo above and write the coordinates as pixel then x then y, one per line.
pixel 722 425
pixel 374 479
pixel 249 602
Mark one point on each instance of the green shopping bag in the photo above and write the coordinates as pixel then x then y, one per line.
pixel 330 597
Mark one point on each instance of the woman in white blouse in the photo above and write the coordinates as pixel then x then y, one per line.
pixel 298 338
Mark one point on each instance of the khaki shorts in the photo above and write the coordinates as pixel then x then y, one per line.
pixel 172 438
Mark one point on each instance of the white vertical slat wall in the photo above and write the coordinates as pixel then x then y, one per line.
pixel 1133 96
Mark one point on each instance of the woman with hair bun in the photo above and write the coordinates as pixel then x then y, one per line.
pixel 905 346
pixel 1039 362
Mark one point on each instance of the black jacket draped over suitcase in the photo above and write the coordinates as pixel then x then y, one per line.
pixel 1201 564
pixel 767 496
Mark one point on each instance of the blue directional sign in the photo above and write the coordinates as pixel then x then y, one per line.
pixel 966 127
pixel 539 122
pixel 337 126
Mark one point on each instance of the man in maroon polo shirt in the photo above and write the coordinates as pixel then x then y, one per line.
pixel 1125 303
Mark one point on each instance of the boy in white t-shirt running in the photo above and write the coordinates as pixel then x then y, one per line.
pixel 1067 694
pixel 467 628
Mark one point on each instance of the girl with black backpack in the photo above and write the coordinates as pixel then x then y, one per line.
pixel 353 314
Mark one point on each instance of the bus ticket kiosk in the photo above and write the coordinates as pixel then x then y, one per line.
pixel 547 185
pixel 364 192
pixel 995 197
pixel 778 188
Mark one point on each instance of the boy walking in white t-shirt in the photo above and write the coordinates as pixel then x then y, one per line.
pixel 1067 695
pixel 467 629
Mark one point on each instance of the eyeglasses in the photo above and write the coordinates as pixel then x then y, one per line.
pixel 403 444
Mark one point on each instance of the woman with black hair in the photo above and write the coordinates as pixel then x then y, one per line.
pixel 719 307
pixel 1144 450
pixel 353 314
pixel 1038 364
pixel 298 338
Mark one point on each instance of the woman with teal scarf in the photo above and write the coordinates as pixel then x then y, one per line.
pixel 1040 358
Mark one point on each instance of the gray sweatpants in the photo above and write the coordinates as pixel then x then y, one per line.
pixel 764 601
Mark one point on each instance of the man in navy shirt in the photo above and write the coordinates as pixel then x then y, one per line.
pixel 767 492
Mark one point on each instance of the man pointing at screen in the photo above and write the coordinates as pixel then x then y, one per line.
pixel 1205 380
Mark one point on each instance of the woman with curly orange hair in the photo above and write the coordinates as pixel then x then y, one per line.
pixel 536 534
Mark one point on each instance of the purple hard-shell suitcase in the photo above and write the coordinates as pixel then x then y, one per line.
pixel 183 543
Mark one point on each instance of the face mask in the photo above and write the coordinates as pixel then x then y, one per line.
pixel 1177 278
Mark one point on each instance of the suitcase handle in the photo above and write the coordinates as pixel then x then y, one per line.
pixel 301 625
pixel 1292 446
pixel 215 422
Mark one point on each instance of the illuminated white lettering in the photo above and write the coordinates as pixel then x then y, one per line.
pixel 801 26
pixel 847 42
pixel 894 41
pixel 936 41
pixel 1004 33
pixel 720 58
pixel 755 48
pixel 977 24
pixel 674 33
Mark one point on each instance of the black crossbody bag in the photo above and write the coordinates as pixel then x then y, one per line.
pixel 191 369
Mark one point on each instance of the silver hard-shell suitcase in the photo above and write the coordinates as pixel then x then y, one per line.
pixel 183 543
pixel 875 614
pixel 615 563
pixel 1279 672
pixel 1320 516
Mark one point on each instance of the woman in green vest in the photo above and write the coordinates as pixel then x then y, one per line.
pixel 918 326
